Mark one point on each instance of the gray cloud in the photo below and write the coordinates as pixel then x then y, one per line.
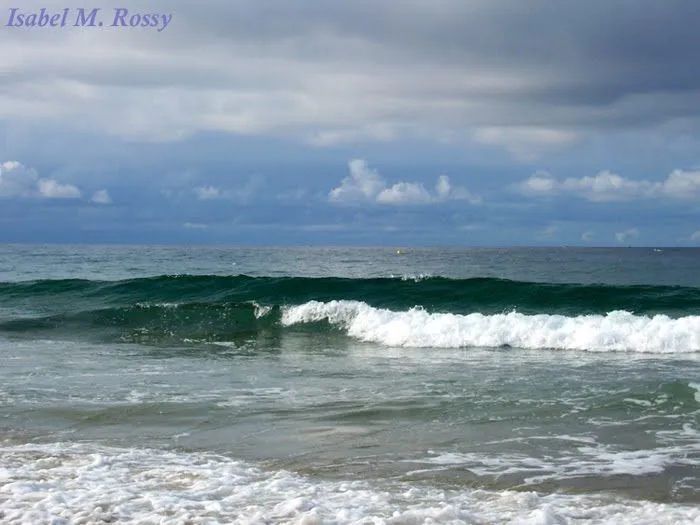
pixel 527 76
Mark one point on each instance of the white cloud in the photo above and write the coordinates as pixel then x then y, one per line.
pixel 550 230
pixel 587 236
pixel 548 233
pixel 242 194
pixel 16 180
pixel 682 184
pixel 52 189
pixel 365 185
pixel 101 197
pixel 695 236
pixel 195 226
pixel 627 235
pixel 406 193
pixel 208 193
pixel 610 187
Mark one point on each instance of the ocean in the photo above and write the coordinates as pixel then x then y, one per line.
pixel 206 385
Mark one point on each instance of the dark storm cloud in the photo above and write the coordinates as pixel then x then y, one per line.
pixel 588 53
pixel 343 71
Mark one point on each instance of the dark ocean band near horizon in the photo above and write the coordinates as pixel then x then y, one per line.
pixel 349 385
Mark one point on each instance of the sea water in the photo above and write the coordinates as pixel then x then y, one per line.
pixel 349 385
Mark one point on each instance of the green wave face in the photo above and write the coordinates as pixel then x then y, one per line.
pixel 218 308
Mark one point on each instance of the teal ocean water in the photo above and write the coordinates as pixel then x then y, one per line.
pixel 349 385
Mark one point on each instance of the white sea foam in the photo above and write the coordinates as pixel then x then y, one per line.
pixel 261 310
pixel 589 459
pixel 83 483
pixel 412 277
pixel 696 387
pixel 158 305
pixel 615 331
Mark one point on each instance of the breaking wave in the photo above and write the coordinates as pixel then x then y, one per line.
pixel 429 312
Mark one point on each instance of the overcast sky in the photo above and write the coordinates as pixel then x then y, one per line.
pixel 424 122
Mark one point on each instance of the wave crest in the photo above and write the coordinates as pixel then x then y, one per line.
pixel 615 331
